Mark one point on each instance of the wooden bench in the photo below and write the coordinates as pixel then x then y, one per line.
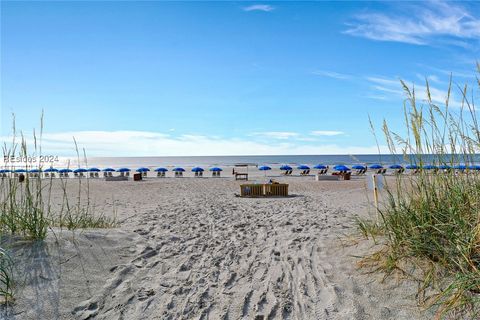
pixel 251 190
pixel 264 190
pixel 275 190
pixel 241 176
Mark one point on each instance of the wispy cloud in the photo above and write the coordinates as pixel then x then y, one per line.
pixel 393 88
pixel 259 7
pixel 282 135
pixel 430 78
pixel 331 74
pixel 327 133
pixel 143 143
pixel 421 24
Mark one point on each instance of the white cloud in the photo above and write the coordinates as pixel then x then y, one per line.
pixel 142 143
pixel 326 133
pixel 331 74
pixel 259 7
pixel 394 87
pixel 421 24
pixel 430 78
pixel 282 135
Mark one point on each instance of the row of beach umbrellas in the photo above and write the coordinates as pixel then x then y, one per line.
pixel 82 170
pixel 262 168
pixel 378 166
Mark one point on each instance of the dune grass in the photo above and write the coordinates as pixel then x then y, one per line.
pixel 27 209
pixel 430 221
pixel 6 279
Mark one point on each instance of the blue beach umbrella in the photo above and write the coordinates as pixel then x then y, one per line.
pixel 178 169
pixel 197 169
pixel 143 169
pixel 303 167
pixel 94 170
pixel 285 167
pixel 50 170
pixel 341 168
pixel 429 167
pixel 108 170
pixel 80 170
pixel 264 169
pixel 320 167
pixel 358 167
pixel 395 166
pixel 444 167
pixel 123 170
pixel 19 171
pixel 65 170
pixel 216 169
pixel 33 171
pixel 412 167
pixel 5 171
pixel 474 167
pixel 376 166
pixel 161 170
pixel 460 167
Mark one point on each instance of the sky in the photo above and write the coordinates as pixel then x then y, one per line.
pixel 226 78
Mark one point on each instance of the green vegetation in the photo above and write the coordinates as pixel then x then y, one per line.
pixel 27 208
pixel 6 281
pixel 430 221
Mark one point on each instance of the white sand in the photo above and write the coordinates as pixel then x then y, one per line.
pixel 190 249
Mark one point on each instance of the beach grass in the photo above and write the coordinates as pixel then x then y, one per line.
pixel 430 221
pixel 6 277
pixel 26 207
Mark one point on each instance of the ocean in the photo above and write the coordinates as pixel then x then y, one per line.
pixel 209 161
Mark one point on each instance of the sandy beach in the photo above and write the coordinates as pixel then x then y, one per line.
pixel 189 248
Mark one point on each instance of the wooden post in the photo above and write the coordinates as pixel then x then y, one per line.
pixel 375 193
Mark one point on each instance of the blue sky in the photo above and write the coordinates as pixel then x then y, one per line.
pixel 225 78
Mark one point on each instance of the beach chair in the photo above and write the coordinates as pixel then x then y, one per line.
pixel 305 172
pixel 81 175
pixel 105 174
pixel 47 175
pixel 127 174
pixel 110 174
pixel 92 175
pixel 144 173
pixel 75 174
pixel 178 174
pixel 161 174
pixel 66 175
